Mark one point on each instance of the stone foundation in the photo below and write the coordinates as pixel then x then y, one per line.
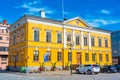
pixel 33 68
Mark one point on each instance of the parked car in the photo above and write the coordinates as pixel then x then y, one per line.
pixel 109 69
pixel 88 69
pixel 117 67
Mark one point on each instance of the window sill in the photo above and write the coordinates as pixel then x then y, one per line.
pixel 35 61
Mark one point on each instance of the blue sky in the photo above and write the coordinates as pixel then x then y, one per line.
pixel 103 14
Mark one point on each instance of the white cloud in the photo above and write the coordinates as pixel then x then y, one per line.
pixel 104 11
pixel 101 22
pixel 32 9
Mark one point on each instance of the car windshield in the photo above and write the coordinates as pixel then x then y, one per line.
pixel 87 65
pixel 112 66
pixel 96 65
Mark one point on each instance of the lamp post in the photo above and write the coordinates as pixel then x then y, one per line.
pixel 27 61
pixel 71 45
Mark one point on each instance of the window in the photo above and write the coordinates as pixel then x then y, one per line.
pixel 115 60
pixel 7 38
pixel 59 56
pixel 85 41
pixel 69 38
pixel 3 58
pixel 14 38
pixel 59 37
pixel 36 35
pixel 93 57
pixel 100 57
pixel 86 57
pixel 115 51
pixel 0 38
pixel 92 41
pixel 4 49
pixel 106 43
pixel 48 36
pixel 23 34
pixel 99 42
pixel 3 63
pixel 2 30
pixel 36 55
pixel 18 36
pixel 107 57
pixel 87 65
pixel 77 40
pixel 6 30
pixel 16 57
pixel 47 56
pixel 69 56
pixel 11 39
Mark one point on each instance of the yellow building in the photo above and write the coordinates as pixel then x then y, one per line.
pixel 36 40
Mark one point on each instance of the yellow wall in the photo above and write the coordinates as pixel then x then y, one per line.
pixel 77 22
pixel 29 45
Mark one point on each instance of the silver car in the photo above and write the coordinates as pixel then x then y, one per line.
pixel 88 69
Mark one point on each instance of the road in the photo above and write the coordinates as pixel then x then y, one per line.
pixel 58 76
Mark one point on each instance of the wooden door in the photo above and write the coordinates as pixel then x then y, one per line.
pixel 78 58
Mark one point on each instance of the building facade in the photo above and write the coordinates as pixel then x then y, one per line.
pixel 4 44
pixel 115 37
pixel 35 40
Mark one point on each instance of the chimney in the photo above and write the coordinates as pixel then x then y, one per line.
pixel 42 13
pixel 4 22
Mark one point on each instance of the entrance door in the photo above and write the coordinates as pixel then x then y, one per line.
pixel 78 58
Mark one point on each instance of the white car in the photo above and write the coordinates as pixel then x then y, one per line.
pixel 88 69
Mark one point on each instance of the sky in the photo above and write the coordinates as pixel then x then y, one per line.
pixel 104 14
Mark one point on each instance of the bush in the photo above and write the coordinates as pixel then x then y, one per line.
pixel 23 69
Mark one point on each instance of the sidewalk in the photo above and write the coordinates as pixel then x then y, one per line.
pixel 63 72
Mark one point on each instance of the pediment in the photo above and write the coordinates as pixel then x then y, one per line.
pixel 77 21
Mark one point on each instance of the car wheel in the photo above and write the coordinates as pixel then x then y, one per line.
pixel 118 70
pixel 109 71
pixel 77 71
pixel 89 72
pixel 96 73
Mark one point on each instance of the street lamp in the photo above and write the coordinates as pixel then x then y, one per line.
pixel 71 46
pixel 27 61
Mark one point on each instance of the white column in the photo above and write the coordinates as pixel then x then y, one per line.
pixel 89 40
pixel 64 37
pixel 81 40
pixel 73 37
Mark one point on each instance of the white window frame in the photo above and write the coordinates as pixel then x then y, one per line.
pixel 50 35
pixel 33 34
pixel 57 37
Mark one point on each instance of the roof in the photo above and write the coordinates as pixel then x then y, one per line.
pixel 101 29
pixel 57 21
pixel 43 19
